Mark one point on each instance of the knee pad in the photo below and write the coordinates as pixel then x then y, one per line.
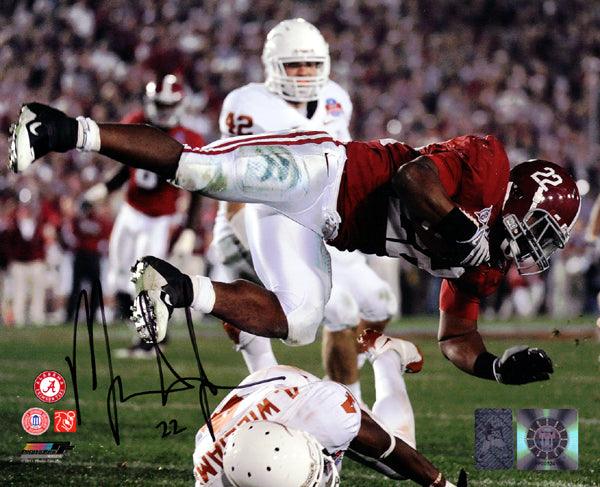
pixel 303 320
pixel 341 311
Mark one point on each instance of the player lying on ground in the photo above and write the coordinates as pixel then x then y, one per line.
pixel 310 424
pixel 452 208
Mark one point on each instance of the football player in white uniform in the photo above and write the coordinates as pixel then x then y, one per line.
pixel 297 93
pixel 291 428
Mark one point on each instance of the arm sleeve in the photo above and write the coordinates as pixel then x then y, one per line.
pixel 457 303
pixel 449 165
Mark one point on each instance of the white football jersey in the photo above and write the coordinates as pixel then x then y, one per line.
pixel 253 109
pixel 295 398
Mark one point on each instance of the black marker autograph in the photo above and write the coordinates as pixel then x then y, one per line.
pixel 116 395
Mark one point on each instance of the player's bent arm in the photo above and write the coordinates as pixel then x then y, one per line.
pixel 374 442
pixel 141 146
pixel 418 184
pixel 461 343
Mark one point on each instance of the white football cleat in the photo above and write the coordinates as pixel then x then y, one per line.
pixel 150 314
pixel 21 153
pixel 375 343
pixel 39 130
pixel 160 288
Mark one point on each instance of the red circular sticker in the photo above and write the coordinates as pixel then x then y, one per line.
pixel 35 421
pixel 49 386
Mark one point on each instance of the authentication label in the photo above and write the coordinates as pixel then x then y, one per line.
pixel 494 439
pixel 547 439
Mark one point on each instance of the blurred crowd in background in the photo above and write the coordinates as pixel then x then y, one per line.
pixel 416 70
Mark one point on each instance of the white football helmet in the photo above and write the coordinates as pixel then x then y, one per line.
pixel 163 102
pixel 268 454
pixel 293 41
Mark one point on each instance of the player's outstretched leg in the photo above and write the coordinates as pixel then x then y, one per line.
pixel 39 130
pixel 160 288
pixel 391 358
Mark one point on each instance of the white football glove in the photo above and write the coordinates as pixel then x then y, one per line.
pixel 479 247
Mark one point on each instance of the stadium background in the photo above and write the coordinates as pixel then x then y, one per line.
pixel 417 71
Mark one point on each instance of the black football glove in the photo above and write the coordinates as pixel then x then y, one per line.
pixel 521 365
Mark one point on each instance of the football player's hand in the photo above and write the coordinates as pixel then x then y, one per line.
pixel 476 250
pixel 521 365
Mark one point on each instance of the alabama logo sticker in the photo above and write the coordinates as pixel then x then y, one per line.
pixel 49 386
pixel 35 421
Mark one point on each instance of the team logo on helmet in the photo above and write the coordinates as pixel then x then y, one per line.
pixel 49 386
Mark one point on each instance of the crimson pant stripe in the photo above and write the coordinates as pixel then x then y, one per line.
pixel 198 150
pixel 287 135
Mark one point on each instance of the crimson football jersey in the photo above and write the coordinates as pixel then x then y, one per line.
pixel 474 172
pixel 148 193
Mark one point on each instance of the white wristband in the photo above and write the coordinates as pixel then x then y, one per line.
pixel 88 135
pixel 204 294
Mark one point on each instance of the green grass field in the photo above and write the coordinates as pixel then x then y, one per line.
pixel 443 400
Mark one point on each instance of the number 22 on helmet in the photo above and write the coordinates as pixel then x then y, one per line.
pixel 539 211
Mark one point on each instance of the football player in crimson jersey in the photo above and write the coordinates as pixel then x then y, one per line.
pixel 148 215
pixel 454 209
pixel 297 92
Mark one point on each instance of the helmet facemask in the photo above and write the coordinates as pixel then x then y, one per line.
pixel 163 102
pixel 298 89
pixel 531 242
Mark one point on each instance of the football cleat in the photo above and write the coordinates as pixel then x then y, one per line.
pixel 39 130
pixel 160 288
pixel 375 344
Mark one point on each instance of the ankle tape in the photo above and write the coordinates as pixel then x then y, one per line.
pixel 88 135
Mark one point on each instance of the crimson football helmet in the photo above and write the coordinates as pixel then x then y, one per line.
pixel 163 102
pixel 539 211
